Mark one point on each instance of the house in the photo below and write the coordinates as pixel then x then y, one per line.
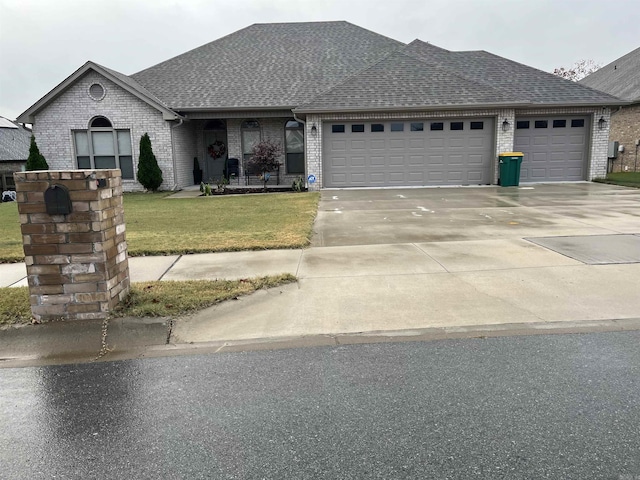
pixel 351 108
pixel 14 151
pixel 622 79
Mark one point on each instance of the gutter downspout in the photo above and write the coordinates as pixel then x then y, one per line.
pixel 173 155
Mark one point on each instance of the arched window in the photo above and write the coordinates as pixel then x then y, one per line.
pixel 250 132
pixel 294 146
pixel 102 146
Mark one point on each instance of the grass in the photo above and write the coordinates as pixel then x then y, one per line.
pixel 625 179
pixel 160 226
pixel 152 299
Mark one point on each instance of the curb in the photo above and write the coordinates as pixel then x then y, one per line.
pixel 133 338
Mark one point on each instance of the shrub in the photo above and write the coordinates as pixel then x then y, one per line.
pixel 264 158
pixel 149 173
pixel 36 160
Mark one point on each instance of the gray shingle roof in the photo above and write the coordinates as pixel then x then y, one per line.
pixel 620 78
pixel 402 81
pixel 520 82
pixel 422 74
pixel 266 66
pixel 14 142
pixel 133 84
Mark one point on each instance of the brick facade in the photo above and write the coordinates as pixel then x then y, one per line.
pixel 77 265
pixel 74 109
pixel 625 129
pixel 504 139
pixel 175 144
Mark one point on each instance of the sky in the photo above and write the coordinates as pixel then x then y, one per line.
pixel 42 42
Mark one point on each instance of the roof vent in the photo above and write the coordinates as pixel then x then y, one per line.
pixel 96 92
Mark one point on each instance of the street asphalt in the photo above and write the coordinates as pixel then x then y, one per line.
pixel 394 263
pixel 533 407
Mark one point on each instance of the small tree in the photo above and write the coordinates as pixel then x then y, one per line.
pixel 579 70
pixel 149 173
pixel 36 160
pixel 264 159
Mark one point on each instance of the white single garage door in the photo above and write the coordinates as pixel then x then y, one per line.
pixel 408 153
pixel 555 148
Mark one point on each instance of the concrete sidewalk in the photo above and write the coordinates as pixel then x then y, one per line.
pixel 398 290
pixel 489 260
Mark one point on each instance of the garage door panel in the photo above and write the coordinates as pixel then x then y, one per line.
pixel 418 157
pixel 456 160
pixel 475 176
pixel 435 160
pixel 477 142
pixel 553 154
pixel 357 161
pixel 338 161
pixel 377 178
pixel 473 159
pixel 456 142
pixel 455 176
pixel 338 145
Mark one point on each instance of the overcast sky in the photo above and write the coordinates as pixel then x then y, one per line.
pixel 44 41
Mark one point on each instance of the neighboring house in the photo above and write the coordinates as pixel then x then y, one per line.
pixel 14 151
pixel 351 108
pixel 622 79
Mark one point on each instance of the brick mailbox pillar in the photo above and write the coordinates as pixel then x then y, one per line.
pixel 73 234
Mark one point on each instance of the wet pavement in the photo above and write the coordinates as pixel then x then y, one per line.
pixel 456 260
pixel 561 406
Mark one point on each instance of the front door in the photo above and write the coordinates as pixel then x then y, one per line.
pixel 215 150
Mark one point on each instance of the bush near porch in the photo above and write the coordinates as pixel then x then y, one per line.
pixel 157 225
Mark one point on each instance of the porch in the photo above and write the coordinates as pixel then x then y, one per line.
pixel 222 148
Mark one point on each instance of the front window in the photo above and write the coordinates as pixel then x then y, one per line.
pixel 294 147
pixel 250 136
pixel 102 146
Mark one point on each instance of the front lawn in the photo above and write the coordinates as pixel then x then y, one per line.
pixel 157 225
pixel 152 299
pixel 625 179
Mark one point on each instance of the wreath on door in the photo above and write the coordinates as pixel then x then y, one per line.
pixel 217 149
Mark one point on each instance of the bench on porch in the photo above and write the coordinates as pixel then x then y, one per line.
pixel 255 177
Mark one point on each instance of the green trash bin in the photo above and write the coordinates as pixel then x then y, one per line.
pixel 510 168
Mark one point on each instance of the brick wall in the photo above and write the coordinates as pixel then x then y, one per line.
pixel 625 129
pixel 77 265
pixel 74 109
pixel 503 139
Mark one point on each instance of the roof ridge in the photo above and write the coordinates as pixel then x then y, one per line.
pixel 551 75
pixel 457 73
pixel 354 74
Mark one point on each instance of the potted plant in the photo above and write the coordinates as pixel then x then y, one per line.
pixel 197 172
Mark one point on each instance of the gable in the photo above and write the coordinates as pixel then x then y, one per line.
pixel 127 84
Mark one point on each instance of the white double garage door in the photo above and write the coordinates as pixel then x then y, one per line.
pixel 449 151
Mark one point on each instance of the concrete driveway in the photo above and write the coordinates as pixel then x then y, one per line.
pixel 367 217
pixel 452 259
